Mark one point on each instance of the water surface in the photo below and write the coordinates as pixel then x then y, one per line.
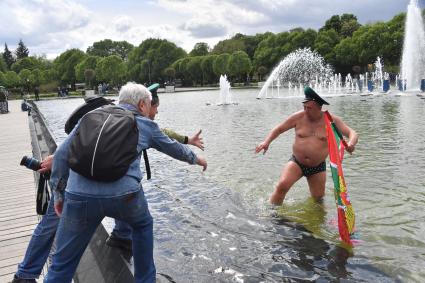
pixel 218 227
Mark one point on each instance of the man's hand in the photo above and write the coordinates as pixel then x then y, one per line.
pixel 350 148
pixel 262 146
pixel 196 140
pixel 202 162
pixel 58 208
pixel 46 164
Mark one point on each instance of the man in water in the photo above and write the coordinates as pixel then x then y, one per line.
pixel 310 147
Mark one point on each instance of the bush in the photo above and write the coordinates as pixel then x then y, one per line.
pixel 49 87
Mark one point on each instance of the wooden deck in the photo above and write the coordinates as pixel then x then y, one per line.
pixel 17 190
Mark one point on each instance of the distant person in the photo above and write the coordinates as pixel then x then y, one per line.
pixel 36 93
pixel 4 104
pixel 99 89
pixel 310 147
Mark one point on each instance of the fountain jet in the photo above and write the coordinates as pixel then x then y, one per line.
pixel 413 59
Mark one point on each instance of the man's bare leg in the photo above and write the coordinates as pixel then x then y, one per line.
pixel 317 183
pixel 290 174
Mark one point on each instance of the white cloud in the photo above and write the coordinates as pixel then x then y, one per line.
pixel 122 23
pixel 39 23
pixel 204 28
pixel 52 26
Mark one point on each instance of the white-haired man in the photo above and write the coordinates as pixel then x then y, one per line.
pixel 88 201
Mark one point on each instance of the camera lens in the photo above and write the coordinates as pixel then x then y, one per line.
pixel 30 163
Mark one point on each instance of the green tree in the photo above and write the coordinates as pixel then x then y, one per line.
pixel 111 69
pixel 29 63
pixel 221 63
pixel 349 25
pixel 324 44
pixel 177 67
pixel 36 77
pixel 170 73
pixel 347 53
pixel 89 62
pixel 185 75
pixel 393 49
pixel 229 46
pixel 107 47
pixel 251 42
pixel 261 72
pixel 302 39
pixel 8 56
pixel 89 75
pixel 384 39
pixel 2 79
pixel 193 68
pixel 273 49
pixel 239 64
pixel 200 49
pixel 345 25
pixel 207 68
pixel 334 23
pixel 21 51
pixel 150 58
pixel 3 65
pixel 65 65
pixel 11 79
pixel 25 78
pixel 50 75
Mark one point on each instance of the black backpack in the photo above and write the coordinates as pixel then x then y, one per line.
pixel 89 105
pixel 105 144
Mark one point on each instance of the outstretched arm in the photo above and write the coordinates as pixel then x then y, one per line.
pixel 195 140
pixel 276 131
pixel 171 147
pixel 352 136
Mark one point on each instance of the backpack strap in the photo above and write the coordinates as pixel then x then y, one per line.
pixel 148 167
pixel 145 153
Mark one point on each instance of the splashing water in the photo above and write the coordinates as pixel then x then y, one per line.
pixel 301 67
pixel 225 94
pixel 413 60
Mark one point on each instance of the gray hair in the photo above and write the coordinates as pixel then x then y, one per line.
pixel 133 93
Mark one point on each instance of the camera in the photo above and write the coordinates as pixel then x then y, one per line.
pixel 30 163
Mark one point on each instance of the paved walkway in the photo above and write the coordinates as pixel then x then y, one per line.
pixel 18 216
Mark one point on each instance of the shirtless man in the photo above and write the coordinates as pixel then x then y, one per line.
pixel 310 148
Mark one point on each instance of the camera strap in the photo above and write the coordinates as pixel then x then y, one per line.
pixel 43 196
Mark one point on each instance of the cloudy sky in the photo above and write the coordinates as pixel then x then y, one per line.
pixel 52 26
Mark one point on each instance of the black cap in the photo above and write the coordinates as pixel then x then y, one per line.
pixel 311 95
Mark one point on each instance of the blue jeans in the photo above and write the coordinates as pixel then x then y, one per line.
pixel 40 244
pixel 80 217
pixel 122 230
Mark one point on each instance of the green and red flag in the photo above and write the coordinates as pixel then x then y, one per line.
pixel 336 146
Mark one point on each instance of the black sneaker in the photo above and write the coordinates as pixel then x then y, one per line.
pixel 21 280
pixel 124 244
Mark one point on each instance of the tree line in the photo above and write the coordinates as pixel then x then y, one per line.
pixel 343 42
